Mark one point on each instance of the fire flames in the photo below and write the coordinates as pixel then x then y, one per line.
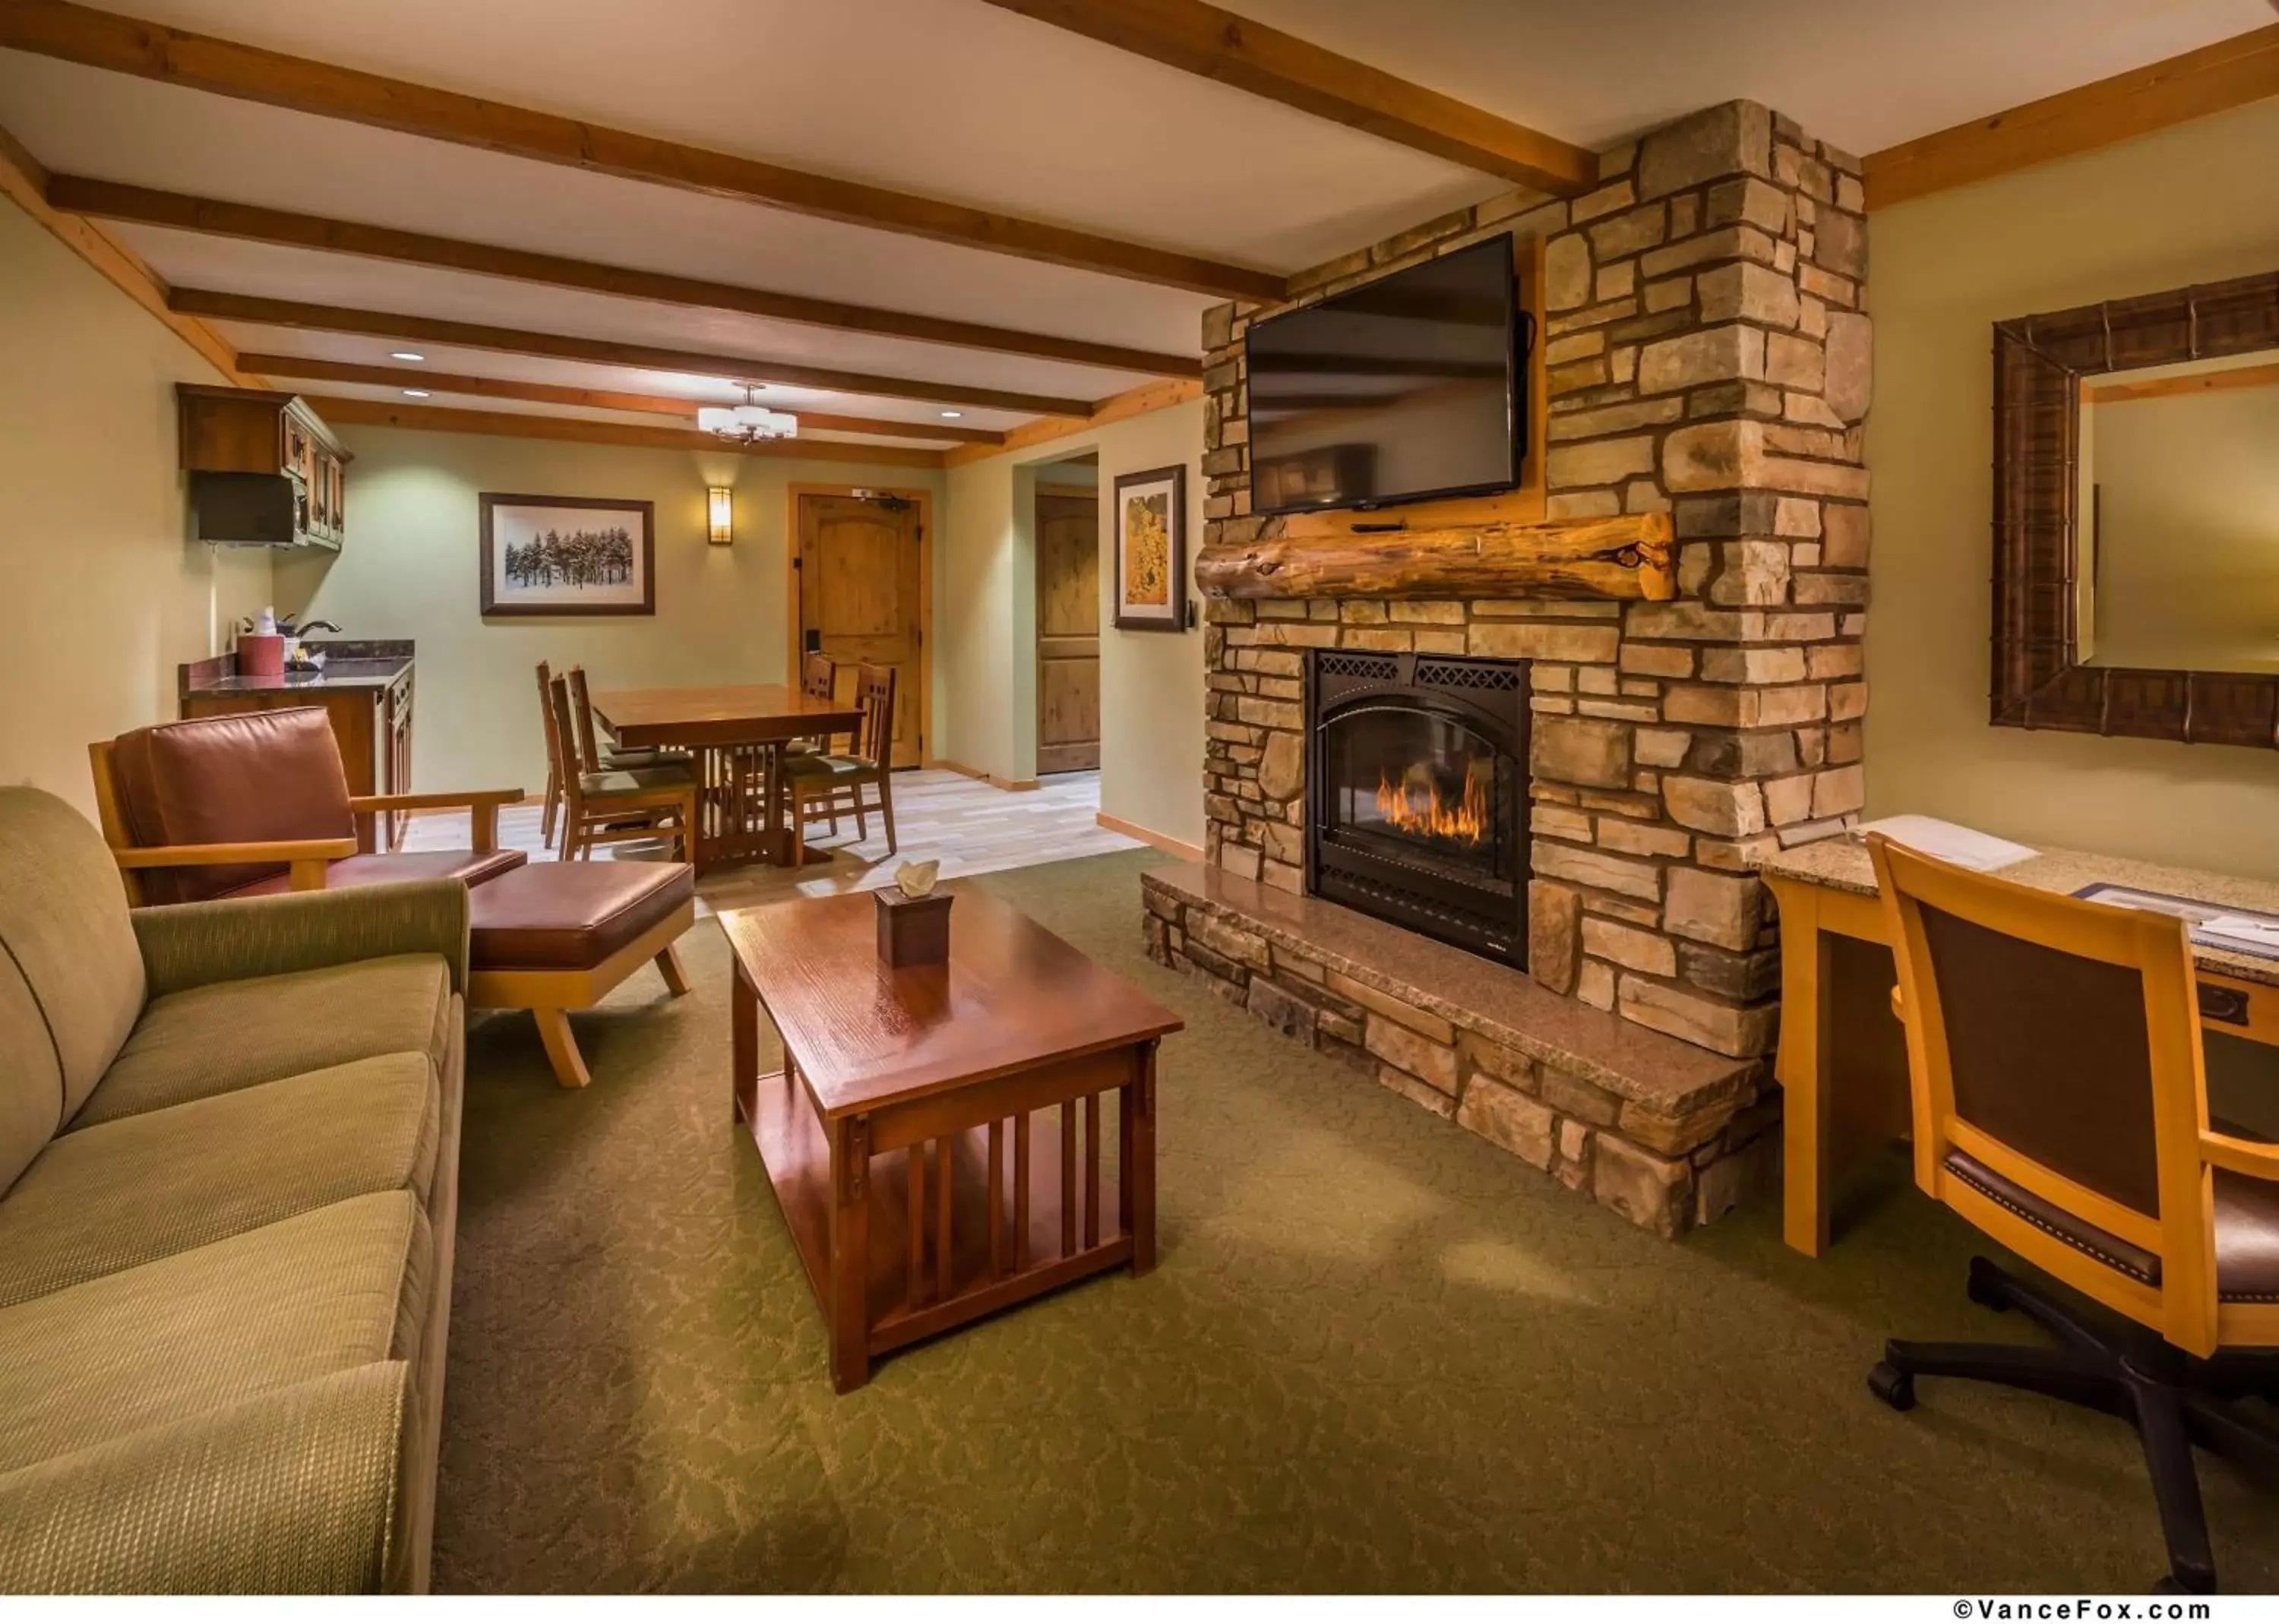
pixel 1415 805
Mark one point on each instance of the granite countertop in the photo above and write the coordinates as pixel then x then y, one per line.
pixel 1841 864
pixel 348 663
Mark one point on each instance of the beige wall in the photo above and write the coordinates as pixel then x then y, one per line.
pixel 408 570
pixel 104 595
pixel 2189 205
pixel 1151 682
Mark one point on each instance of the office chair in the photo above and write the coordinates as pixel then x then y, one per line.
pixel 2060 1105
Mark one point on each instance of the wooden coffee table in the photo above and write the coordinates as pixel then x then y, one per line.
pixel 1010 1043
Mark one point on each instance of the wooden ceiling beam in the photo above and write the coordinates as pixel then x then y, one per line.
pixel 2212 80
pixel 314 369
pixel 216 306
pixel 99 39
pixel 341 409
pixel 109 200
pixel 1043 430
pixel 1204 39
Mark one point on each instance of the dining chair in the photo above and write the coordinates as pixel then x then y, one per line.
pixel 2060 1105
pixel 593 757
pixel 833 783
pixel 553 798
pixel 617 804
pixel 818 678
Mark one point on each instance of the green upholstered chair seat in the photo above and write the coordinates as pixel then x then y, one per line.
pixel 325 1291
pixel 141 1188
pixel 289 1492
pixel 211 1040
pixel 821 766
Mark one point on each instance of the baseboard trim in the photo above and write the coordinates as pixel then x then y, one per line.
pixel 1016 785
pixel 1161 842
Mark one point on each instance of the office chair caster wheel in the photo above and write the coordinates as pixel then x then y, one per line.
pixel 1894 1386
pixel 1985 1286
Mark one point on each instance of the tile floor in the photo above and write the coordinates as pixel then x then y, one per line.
pixel 970 826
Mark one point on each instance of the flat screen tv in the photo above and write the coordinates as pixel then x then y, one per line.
pixel 1405 387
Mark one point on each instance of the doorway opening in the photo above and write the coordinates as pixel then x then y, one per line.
pixel 1067 532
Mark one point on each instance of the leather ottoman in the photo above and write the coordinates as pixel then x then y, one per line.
pixel 554 936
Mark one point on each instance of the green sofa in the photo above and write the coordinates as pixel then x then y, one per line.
pixel 229 1153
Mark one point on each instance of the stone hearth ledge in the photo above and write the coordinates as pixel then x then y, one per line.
pixel 1667 1134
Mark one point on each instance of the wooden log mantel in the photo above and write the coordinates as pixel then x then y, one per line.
pixel 1629 557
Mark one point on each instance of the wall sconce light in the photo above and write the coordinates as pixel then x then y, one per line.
pixel 721 513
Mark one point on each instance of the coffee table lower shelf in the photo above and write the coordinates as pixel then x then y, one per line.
pixel 952 1221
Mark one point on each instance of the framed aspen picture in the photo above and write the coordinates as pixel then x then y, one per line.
pixel 568 556
pixel 1151 550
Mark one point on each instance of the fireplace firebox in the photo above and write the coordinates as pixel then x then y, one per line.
pixel 1417 793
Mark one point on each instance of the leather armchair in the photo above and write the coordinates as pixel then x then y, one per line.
pixel 258 803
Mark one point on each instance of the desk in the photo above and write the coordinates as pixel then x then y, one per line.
pixel 737 735
pixel 1842 1064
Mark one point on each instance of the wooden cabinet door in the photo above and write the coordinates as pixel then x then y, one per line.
pixel 859 599
pixel 1068 631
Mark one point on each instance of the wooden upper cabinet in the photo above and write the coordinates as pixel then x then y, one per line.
pixel 268 432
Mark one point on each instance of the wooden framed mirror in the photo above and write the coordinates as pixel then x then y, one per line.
pixel 2051 666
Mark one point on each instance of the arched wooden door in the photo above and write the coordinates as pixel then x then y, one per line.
pixel 861 598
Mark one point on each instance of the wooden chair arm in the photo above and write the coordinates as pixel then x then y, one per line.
pixel 482 807
pixel 305 860
pixel 2236 1155
pixel 233 852
pixel 434 801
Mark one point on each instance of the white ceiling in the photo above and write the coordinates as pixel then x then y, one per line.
pixel 1865 74
pixel 960 100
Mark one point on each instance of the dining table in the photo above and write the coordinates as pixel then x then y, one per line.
pixel 736 735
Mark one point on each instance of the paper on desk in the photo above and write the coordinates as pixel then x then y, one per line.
pixel 2252 932
pixel 1967 848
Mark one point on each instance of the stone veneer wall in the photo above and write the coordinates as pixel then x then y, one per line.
pixel 1707 357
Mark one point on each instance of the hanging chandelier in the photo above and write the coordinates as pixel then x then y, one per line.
pixel 746 423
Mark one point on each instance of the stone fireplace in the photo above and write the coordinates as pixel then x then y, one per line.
pixel 1702 359
pixel 1417 793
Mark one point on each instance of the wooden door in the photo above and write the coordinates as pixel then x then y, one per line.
pixel 1068 631
pixel 860 591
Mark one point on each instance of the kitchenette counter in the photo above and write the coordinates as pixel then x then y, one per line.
pixel 348 663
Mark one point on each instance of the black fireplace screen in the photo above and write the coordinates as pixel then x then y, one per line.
pixel 1417 793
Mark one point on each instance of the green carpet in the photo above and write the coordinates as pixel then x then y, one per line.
pixel 1378 1354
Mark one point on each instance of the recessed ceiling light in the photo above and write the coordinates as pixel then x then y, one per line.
pixel 405 355
pixel 418 394
pixel 953 414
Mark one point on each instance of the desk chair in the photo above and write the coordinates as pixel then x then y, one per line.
pixel 2060 1105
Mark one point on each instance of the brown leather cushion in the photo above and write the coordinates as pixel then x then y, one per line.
pixel 2246 1230
pixel 380 867
pixel 571 916
pixel 267 775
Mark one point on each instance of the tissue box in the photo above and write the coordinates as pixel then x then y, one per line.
pixel 260 656
pixel 913 930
